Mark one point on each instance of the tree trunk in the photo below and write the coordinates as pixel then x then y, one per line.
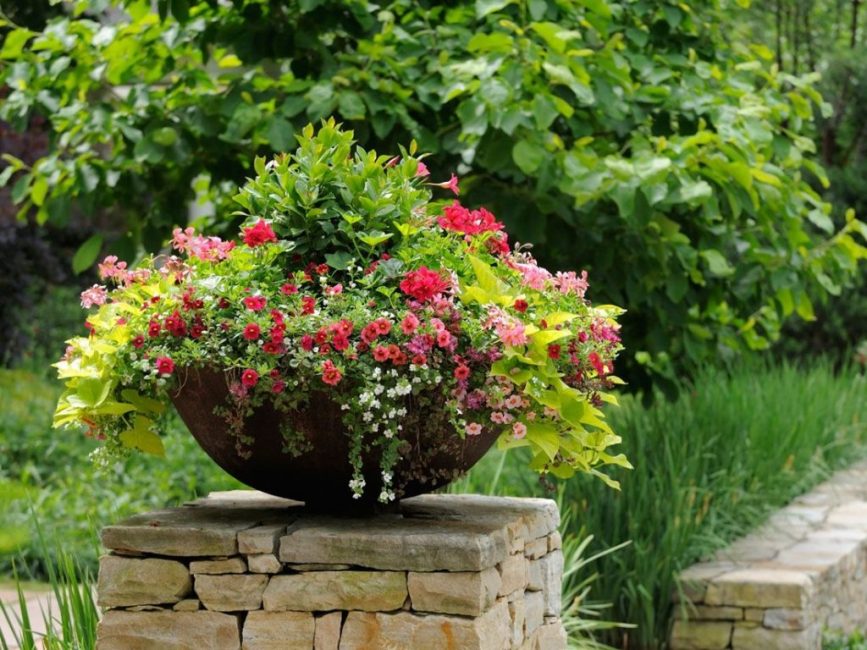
pixel 780 34
pixel 796 41
pixel 856 4
pixel 808 35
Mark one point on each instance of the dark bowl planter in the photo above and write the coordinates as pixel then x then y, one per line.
pixel 431 456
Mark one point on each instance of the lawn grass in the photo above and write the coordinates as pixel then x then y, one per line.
pixel 708 467
pixel 48 471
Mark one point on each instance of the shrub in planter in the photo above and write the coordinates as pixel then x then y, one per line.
pixel 360 340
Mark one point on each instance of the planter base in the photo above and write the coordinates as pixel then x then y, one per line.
pixel 242 569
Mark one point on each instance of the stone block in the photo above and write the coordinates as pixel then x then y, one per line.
pixel 216 567
pixel 406 630
pixel 167 630
pixel 760 588
pixel 278 631
pixel 327 634
pixel 469 593
pixel 555 541
pixel 265 563
pixel 693 581
pixel 231 593
pixel 700 636
pixel 552 580
pixel 754 614
pixel 550 636
pixel 323 591
pixel 751 638
pixel 261 539
pixel 536 549
pixel 394 544
pixel 708 613
pixel 513 572
pixel 517 616
pixel 188 605
pixel 786 619
pixel 534 611
pixel 185 531
pixel 535 581
pixel 125 582
pixel 540 516
pixel 318 567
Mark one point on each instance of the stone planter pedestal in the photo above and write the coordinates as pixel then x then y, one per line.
pixel 246 570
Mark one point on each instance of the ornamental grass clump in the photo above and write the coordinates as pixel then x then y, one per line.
pixel 349 279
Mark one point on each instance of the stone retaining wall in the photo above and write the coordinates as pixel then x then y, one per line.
pixel 804 571
pixel 246 570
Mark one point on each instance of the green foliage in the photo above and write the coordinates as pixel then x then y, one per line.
pixel 69 495
pixel 854 641
pixel 714 463
pixel 624 136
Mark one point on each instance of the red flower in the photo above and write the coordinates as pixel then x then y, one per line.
pixel 383 326
pixel 462 372
pixel 278 386
pixel 255 303
pixel 324 349
pixel 271 347
pixel 154 329
pixel 308 304
pixel 459 219
pixel 288 289
pixel 223 303
pixel 331 375
pixel 258 234
pixel 307 342
pixel 138 341
pixel 252 332
pixel 597 364
pixel 499 244
pixel 393 352
pixel 249 378
pixel 423 284
pixel 175 324
pixel 521 305
pixel 554 351
pixel 343 327
pixel 419 359
pixel 322 269
pixel 409 324
pixel 369 334
pixel 165 366
pixel 444 338
pixel 197 330
pixel 380 353
pixel 321 337
pixel 340 342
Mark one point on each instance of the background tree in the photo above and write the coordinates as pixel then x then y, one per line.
pixel 626 137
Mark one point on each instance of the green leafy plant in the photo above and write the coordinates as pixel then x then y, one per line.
pixel 839 641
pixel 629 137
pixel 736 445
pixel 351 280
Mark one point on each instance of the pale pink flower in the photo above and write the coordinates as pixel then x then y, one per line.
pixel 519 430
pixel 531 416
pixel 569 282
pixel 336 290
pixel 96 295
pixel 497 417
pixel 534 276
pixel 474 429
pixel 512 334
pixel 513 401
pixel 409 324
pixel 437 324
pixel 111 268
pixel 422 169
pixel 551 413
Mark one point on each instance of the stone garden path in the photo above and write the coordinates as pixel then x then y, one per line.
pixel 38 601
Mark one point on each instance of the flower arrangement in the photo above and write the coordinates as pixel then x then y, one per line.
pixel 349 278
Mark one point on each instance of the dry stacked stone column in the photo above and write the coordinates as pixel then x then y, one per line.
pixel 246 570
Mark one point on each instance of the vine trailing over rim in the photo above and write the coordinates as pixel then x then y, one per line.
pixel 627 135
pixel 350 281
